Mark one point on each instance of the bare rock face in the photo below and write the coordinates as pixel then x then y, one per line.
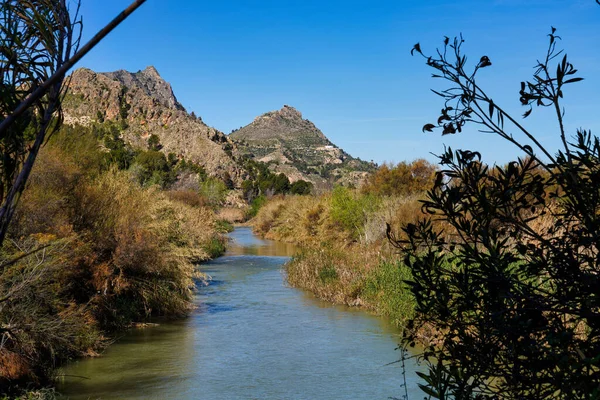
pixel 299 149
pixel 282 126
pixel 150 83
pixel 143 104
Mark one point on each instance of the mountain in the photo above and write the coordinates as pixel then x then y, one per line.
pixel 295 146
pixel 143 104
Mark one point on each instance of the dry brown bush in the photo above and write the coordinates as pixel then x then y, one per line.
pixel 189 197
pixel 232 215
pixel 116 254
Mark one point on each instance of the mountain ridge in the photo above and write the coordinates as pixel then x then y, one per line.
pixel 143 104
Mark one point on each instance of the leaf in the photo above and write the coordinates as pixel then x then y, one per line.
pixel 416 47
pixel 527 113
pixel 428 127
pixel 572 80
pixel 449 129
pixel 484 62
pixel 431 392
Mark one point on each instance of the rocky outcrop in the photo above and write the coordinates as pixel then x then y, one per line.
pixel 296 147
pixel 149 82
pixel 143 104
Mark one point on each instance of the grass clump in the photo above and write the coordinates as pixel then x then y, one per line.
pixel 387 293
pixel 327 273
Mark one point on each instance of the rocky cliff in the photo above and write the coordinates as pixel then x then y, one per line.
pixel 143 104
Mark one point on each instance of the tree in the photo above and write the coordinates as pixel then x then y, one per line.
pixel 154 142
pixel 35 40
pixel 301 187
pixel 38 45
pixel 506 267
pixel 403 179
pixel 153 168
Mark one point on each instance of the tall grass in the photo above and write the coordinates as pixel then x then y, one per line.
pixel 103 253
pixel 386 292
pixel 345 256
pixel 355 276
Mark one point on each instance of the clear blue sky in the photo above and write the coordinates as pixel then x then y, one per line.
pixel 346 65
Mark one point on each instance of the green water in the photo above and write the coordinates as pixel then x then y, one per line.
pixel 251 337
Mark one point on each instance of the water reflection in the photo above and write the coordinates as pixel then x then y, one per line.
pixel 243 242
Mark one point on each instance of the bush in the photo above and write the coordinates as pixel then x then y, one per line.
pixel 106 253
pixel 404 179
pixel 188 197
pixel 152 168
pixel 223 226
pixel 215 247
pixel 214 191
pixel 256 205
pixel 351 210
pixel 301 187
pixel 513 300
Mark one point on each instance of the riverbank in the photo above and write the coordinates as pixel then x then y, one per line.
pixel 252 337
pixel 91 253
pixel 345 257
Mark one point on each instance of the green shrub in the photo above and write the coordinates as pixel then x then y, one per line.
pixel 385 288
pixel 350 210
pixel 223 226
pixel 215 247
pixel 301 187
pixel 256 205
pixel 214 190
pixel 328 274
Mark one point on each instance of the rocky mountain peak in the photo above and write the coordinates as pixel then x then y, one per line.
pixel 286 113
pixel 151 71
pixel 149 81
pixel 289 112
pixel 295 146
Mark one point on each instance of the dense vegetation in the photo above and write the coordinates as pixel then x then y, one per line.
pixel 263 182
pixel 94 248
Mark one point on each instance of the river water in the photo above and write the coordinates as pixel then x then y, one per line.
pixel 251 337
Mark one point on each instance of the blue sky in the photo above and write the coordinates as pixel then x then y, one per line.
pixel 346 65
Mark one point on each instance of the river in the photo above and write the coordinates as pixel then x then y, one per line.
pixel 251 337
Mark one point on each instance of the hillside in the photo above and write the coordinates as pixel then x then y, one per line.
pixel 143 104
pixel 295 146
